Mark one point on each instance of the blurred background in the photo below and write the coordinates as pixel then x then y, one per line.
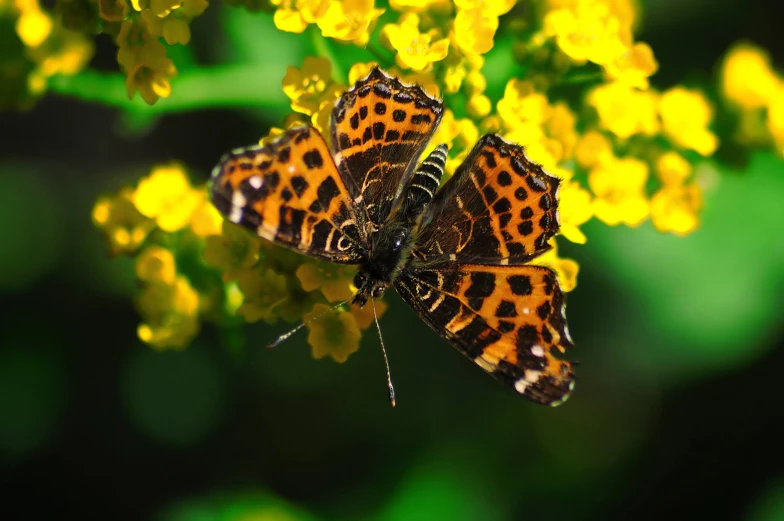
pixel 677 412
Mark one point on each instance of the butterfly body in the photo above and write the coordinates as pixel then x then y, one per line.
pixel 459 255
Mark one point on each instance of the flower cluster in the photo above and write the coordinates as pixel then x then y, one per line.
pixel 36 46
pixel 625 152
pixel 193 266
pixel 755 92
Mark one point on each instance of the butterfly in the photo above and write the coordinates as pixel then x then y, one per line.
pixel 459 255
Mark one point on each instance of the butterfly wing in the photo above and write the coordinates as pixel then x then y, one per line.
pixel 508 319
pixel 290 192
pixel 498 208
pixel 379 129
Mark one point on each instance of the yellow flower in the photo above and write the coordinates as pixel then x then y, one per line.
pixel 33 26
pixel 589 30
pixel 415 50
pixel 234 250
pixel 460 135
pixel 474 30
pixel 619 189
pixel 150 73
pixel 170 313
pixel 575 209
pixel 673 169
pixel 675 208
pixel 167 196
pixel 124 227
pixel 634 66
pixel 349 20
pixel 561 126
pixel 625 111
pixel 311 85
pixel 335 334
pixel 206 220
pixel 685 116
pixel 593 148
pixel 364 316
pixel 156 265
pixel 264 292
pixel 359 71
pixel 333 280
pixel 479 106
pixel 522 103
pixel 294 15
pixel 747 78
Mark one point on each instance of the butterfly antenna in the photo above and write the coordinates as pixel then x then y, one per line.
pixel 386 360
pixel 285 336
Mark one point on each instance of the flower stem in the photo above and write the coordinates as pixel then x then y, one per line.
pixel 233 86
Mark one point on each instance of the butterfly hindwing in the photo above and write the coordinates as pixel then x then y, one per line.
pixel 498 208
pixel 290 192
pixel 379 129
pixel 510 320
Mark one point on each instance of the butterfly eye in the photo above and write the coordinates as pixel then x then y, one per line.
pixel 399 239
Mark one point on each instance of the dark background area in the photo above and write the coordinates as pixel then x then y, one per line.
pixel 95 425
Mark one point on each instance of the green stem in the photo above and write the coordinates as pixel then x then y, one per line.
pixel 232 86
pixel 576 79
pixel 382 57
pixel 322 48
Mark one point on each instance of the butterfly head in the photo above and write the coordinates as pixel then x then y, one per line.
pixel 389 247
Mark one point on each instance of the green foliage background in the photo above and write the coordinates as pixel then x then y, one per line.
pixel 677 412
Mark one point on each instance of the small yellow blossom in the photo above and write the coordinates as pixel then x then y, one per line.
pixel 522 103
pixel 747 78
pixel 619 189
pixel 167 196
pixel 124 227
pixel 33 26
pixel 625 111
pixel 575 209
pixel 676 208
pixel 474 30
pixel 685 116
pixel 170 313
pixel 589 30
pixel 672 168
pixel 364 316
pixel 311 85
pixel 294 15
pixel 349 20
pixel 415 50
pixel 156 265
pixel 634 66
pixel 335 334
pixel 233 251
pixel 592 148
pixel 206 220
pixel 333 280
pixel 150 73
pixel 360 71
pixel 479 106
pixel 561 126
pixel 264 292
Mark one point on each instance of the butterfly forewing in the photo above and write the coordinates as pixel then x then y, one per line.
pixel 290 192
pixel 510 320
pixel 498 208
pixel 379 129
